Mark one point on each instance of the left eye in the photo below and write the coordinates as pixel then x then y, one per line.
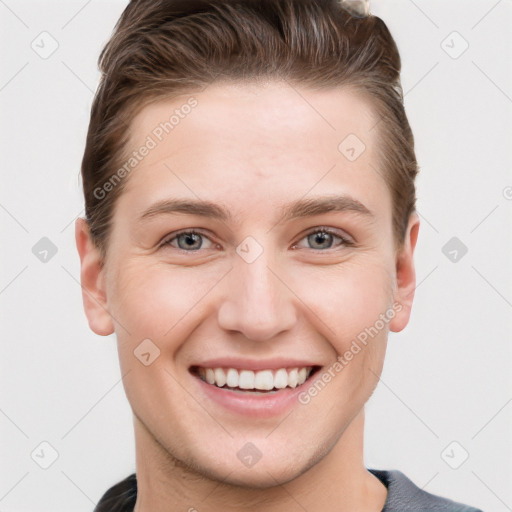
pixel 323 238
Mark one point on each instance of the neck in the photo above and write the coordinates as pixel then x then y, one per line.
pixel 340 477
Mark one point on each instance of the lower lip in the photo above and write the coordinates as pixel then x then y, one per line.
pixel 257 406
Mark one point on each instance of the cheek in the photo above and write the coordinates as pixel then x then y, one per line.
pixel 155 301
pixel 347 299
pixel 158 302
pixel 353 306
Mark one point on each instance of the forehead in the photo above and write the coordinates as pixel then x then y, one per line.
pixel 234 142
pixel 275 113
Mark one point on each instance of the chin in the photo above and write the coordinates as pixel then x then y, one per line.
pixel 265 477
pixel 266 473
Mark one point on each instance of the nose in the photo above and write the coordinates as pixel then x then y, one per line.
pixel 257 302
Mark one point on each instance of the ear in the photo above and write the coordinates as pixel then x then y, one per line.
pixel 405 276
pixel 92 281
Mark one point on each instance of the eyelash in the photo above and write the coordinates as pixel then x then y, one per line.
pixel 343 240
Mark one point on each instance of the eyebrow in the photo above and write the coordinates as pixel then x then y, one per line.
pixel 296 209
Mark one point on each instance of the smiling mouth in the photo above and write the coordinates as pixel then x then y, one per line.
pixel 254 382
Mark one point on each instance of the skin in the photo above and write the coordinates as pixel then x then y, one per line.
pixel 252 149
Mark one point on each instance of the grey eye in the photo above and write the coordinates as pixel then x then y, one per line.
pixel 322 238
pixel 192 241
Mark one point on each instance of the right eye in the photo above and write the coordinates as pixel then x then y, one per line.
pixel 188 241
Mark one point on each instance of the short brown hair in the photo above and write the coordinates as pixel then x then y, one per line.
pixel 162 48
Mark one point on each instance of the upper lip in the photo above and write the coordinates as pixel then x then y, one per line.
pixel 255 364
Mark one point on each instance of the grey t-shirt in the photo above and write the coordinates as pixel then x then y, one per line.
pixel 403 496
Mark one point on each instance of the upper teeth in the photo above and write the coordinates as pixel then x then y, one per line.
pixel 263 379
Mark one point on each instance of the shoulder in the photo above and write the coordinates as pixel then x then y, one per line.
pixel 405 496
pixel 120 497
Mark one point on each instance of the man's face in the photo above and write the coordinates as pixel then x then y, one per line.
pixel 254 297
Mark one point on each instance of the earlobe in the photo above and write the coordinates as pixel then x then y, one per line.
pixel 92 281
pixel 405 276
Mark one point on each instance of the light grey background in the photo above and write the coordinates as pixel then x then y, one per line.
pixel 446 389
